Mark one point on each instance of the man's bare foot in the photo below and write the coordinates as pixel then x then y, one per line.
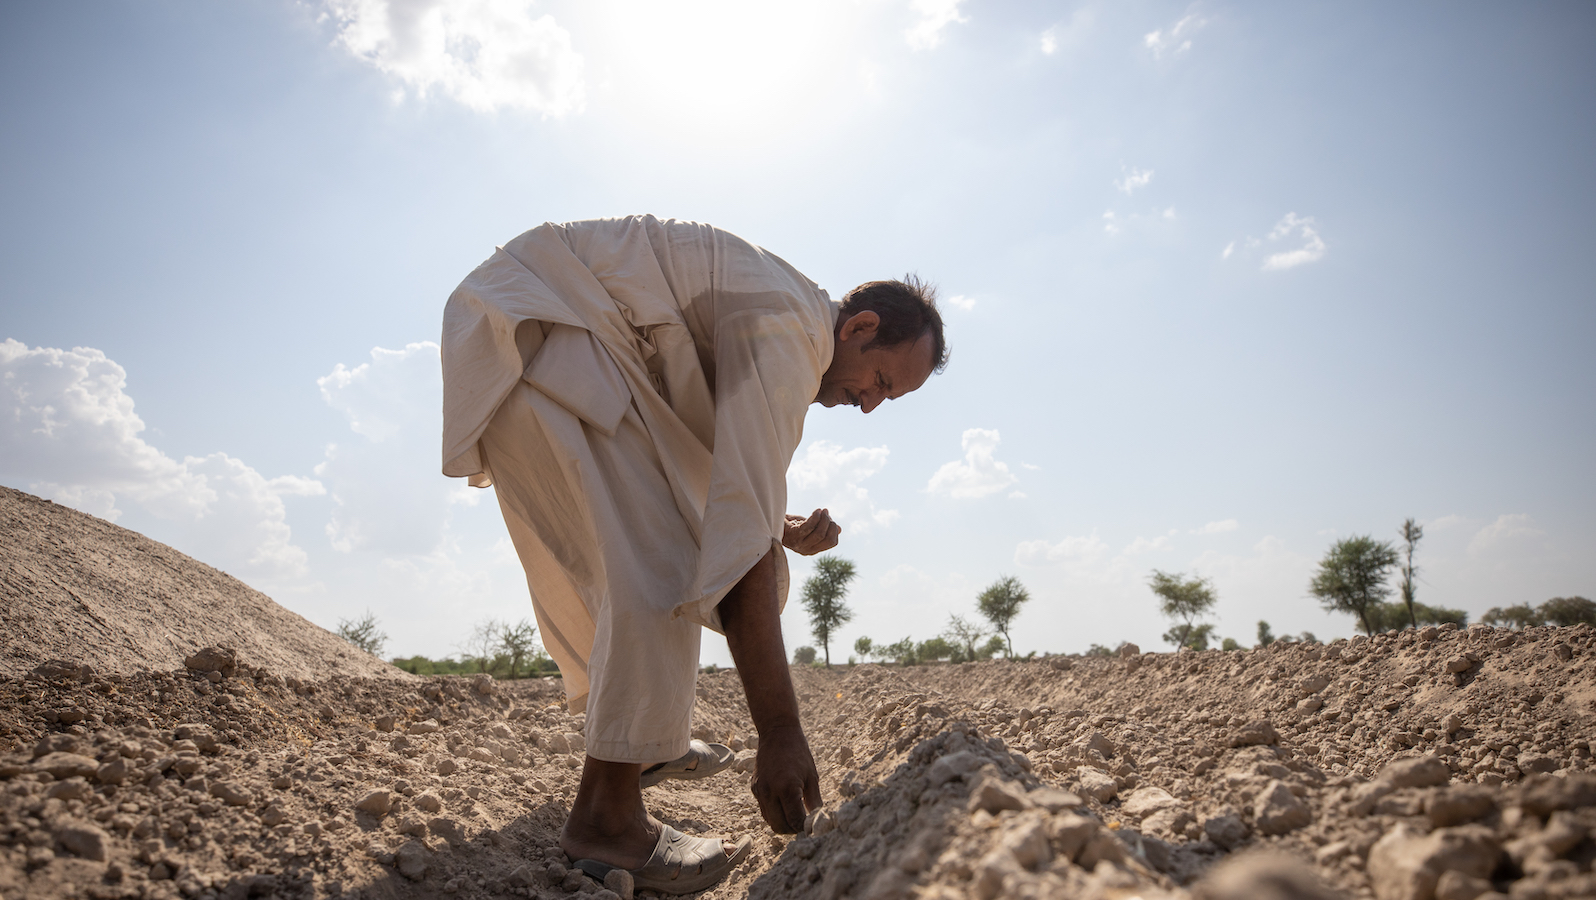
pixel 608 821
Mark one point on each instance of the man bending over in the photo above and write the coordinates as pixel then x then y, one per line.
pixel 634 390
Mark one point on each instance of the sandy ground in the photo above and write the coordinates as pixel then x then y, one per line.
pixel 1430 764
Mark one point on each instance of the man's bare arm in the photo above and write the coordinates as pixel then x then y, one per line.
pixel 785 783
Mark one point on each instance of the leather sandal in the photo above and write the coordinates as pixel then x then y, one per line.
pixel 701 761
pixel 680 863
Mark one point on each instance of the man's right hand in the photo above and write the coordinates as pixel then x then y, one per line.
pixel 786 783
pixel 815 534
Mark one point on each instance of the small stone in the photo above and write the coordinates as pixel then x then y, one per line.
pixel 555 872
pixel 1452 723
pixel 412 860
pixel 376 803
pixel 1145 801
pixel 620 881
pixel 1422 771
pixel 954 765
pixel 83 840
pixel 482 684
pixel 385 723
pixel 1454 885
pixel 574 880
pixel 1545 793
pixel 428 802
pixel 1096 785
pixel 213 659
pixel 1027 842
pixel 1406 865
pixel 1313 684
pixel 1563 652
pixel 1278 811
pixel 1096 741
pixel 820 822
pixel 446 828
pixel 995 795
pixel 113 772
pixel 74 788
pixel 282 782
pixel 1054 800
pixel 425 726
pixel 447 766
pixel 1226 831
pixel 67 765
pixel 203 736
pixel 1127 650
pixel 231 793
pixel 1457 805
pixel 1535 763
pixel 1459 664
pixel 1255 733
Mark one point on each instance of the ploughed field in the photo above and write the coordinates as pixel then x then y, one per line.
pixel 167 732
pixel 1383 767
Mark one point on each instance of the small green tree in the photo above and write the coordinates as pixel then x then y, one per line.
pixel 481 646
pixel 1000 603
pixel 822 597
pixel 518 642
pixel 1351 578
pixel 363 633
pixel 1266 635
pixel 803 656
pixel 1411 531
pixel 991 648
pixel 934 649
pixel 1196 638
pixel 1186 600
pixel 1519 615
pixel 964 634
pixel 1565 611
pixel 1098 650
pixel 1230 644
pixel 864 647
pixel 901 652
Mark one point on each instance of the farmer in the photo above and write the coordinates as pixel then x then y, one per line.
pixel 634 390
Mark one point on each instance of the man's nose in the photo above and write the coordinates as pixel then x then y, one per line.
pixel 869 400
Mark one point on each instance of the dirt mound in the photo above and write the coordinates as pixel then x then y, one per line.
pixel 79 589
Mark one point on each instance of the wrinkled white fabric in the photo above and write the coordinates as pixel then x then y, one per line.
pixel 691 356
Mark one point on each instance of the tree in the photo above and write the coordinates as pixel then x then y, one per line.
pixel 864 647
pixel 822 597
pixel 991 648
pixel 363 633
pixel 1098 650
pixel 1000 603
pixel 518 641
pixel 481 646
pixel 1569 611
pixel 1351 578
pixel 1266 635
pixel 901 653
pixel 934 649
pixel 1411 531
pixel 1519 615
pixel 1230 644
pixel 964 634
pixel 1196 637
pixel 803 656
pixel 1186 599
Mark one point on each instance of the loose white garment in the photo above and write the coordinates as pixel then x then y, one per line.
pixel 716 346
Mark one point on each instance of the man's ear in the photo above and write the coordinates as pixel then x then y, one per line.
pixel 861 324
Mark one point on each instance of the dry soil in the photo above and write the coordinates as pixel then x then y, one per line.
pixel 135 762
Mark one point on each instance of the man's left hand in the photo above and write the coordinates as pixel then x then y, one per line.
pixel 815 534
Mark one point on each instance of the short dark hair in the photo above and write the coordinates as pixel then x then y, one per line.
pixel 907 308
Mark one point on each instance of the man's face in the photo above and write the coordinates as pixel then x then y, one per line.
pixel 864 378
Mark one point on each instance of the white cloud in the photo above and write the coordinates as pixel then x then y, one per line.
pixel 1110 222
pixel 1229 249
pixel 1312 249
pixel 70 433
pixel 978 474
pixel 1135 178
pixel 935 15
pixel 1218 527
pixel 1017 495
pixel 1507 531
pixel 1077 552
pixel 485 54
pixel 1066 35
pixel 1175 40
pixel 392 404
pixel 1033 468
pixel 959 301
pixel 1143 545
pixel 1049 41
pixel 828 476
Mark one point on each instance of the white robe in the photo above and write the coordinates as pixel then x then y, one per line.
pixel 692 356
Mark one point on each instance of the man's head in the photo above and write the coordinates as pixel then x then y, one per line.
pixel 889 341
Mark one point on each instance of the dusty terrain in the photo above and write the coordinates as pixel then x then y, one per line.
pixel 1430 764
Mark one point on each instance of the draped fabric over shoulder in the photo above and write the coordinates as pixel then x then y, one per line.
pixel 713 347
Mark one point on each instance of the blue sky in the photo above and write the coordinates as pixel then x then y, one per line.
pixel 1224 282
